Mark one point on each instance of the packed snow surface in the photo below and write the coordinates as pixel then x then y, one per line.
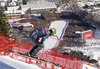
pixel 9 63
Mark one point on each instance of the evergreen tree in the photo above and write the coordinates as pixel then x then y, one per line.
pixel 4 25
pixel 25 2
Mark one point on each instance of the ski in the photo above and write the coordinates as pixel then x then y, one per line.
pixel 15 52
pixel 35 57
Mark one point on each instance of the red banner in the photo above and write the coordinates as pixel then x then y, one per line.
pixel 86 35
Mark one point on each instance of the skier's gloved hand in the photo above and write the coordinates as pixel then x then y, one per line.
pixel 40 44
pixel 40 40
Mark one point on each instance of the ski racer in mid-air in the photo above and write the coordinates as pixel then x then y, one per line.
pixel 38 36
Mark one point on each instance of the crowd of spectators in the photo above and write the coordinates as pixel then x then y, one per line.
pixel 70 38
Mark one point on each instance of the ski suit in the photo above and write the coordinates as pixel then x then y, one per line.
pixel 42 33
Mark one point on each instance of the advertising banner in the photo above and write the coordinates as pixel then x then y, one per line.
pixel 86 35
pixel 85 66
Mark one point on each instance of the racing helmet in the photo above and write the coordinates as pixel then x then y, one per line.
pixel 53 31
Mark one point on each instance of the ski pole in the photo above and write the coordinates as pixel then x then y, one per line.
pixel 31 21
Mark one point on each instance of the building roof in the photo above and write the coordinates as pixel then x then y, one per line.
pixel 43 5
pixel 90 3
pixel 2 3
pixel 80 4
pixel 39 5
pixel 13 9
pixel 96 3
pixel 3 0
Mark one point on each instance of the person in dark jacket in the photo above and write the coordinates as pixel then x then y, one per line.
pixel 38 36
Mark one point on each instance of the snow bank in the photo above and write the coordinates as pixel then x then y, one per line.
pixel 95 55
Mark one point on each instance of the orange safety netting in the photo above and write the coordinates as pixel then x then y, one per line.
pixel 60 61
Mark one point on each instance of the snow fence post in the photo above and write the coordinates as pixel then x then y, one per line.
pixel 26 59
pixel 19 47
pixel 42 53
pixel 28 47
pixel 69 14
pixel 1 40
pixel 4 48
pixel 4 45
pixel 29 60
pixel 65 62
pixel 14 47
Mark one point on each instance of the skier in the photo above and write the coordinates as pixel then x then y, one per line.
pixel 38 36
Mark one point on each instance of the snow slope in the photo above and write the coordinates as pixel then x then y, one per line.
pixel 9 63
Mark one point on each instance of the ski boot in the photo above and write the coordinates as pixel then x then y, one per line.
pixel 33 54
pixel 27 54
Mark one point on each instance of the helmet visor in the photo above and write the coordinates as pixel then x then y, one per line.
pixel 51 32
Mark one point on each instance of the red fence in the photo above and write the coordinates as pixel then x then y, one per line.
pixel 59 61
